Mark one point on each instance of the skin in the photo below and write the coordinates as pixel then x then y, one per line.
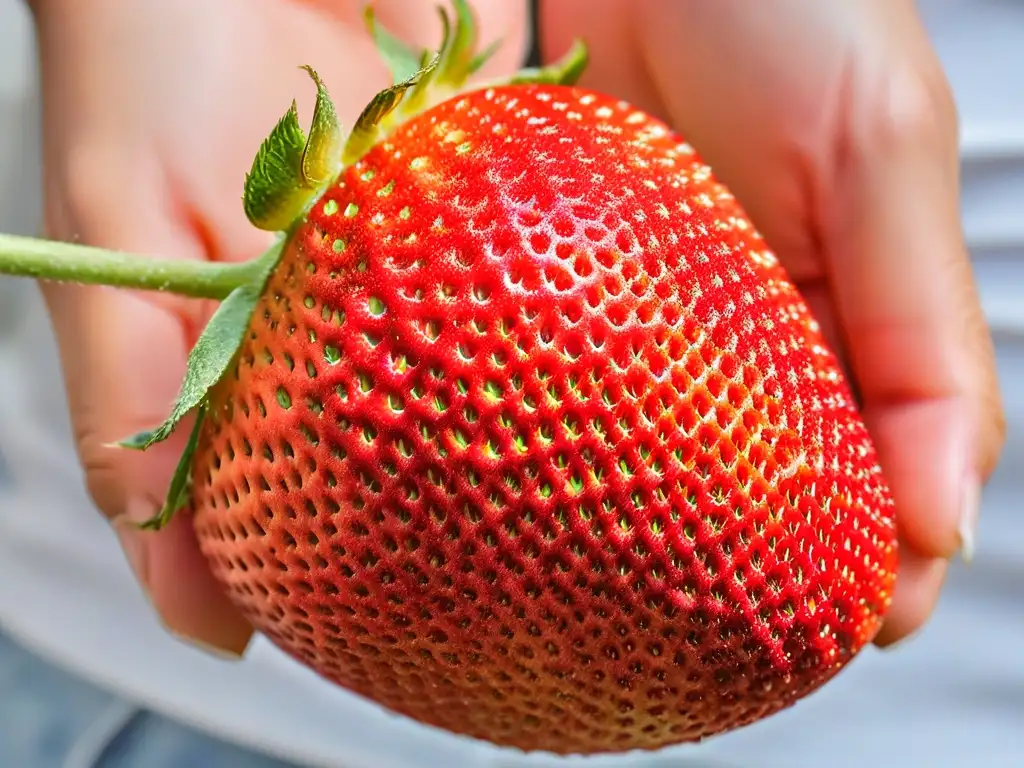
pixel 832 122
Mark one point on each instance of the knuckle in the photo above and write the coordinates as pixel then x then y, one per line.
pixel 906 106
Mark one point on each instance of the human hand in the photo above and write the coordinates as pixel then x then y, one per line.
pixel 153 113
pixel 834 126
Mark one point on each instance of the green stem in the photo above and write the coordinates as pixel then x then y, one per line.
pixel 66 262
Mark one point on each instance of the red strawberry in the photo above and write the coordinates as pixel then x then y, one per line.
pixel 530 437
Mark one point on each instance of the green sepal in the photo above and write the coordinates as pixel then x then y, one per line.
pixel 420 93
pixel 274 192
pixel 440 77
pixel 566 71
pixel 458 46
pixel 368 128
pixel 400 58
pixel 436 77
pixel 140 441
pixel 212 354
pixel 478 61
pixel 289 169
pixel 321 157
pixel 181 482
pixel 207 362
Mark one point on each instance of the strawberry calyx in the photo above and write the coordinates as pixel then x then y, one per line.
pixel 290 172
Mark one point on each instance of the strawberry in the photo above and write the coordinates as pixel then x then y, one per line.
pixel 521 430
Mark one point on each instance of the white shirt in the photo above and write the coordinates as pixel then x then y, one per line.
pixel 952 697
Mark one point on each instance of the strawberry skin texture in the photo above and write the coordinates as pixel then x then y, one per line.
pixel 533 440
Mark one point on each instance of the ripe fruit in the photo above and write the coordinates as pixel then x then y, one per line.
pixel 529 436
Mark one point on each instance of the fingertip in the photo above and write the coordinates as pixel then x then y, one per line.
pixel 927 453
pixel 918 586
pixel 192 605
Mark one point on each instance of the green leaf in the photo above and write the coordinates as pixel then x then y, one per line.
pixel 212 354
pixel 274 189
pixel 400 58
pixel 321 158
pixel 181 481
pixel 566 71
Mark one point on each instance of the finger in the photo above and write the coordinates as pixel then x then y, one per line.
pixel 917 591
pixel 916 336
pixel 177 580
pixel 123 357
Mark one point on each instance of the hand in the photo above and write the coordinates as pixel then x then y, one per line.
pixel 153 114
pixel 834 126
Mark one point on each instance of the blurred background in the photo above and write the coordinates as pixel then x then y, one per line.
pixel 57 712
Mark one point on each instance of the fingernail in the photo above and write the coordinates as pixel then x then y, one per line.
pixel 133 541
pixel 967 526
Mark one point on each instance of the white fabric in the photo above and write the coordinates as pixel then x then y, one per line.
pixel 953 697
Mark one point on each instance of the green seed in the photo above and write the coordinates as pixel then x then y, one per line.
pixel 283 398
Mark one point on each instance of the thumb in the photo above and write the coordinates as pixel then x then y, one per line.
pixel 123 357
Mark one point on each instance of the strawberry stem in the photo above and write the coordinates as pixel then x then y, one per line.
pixel 71 263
